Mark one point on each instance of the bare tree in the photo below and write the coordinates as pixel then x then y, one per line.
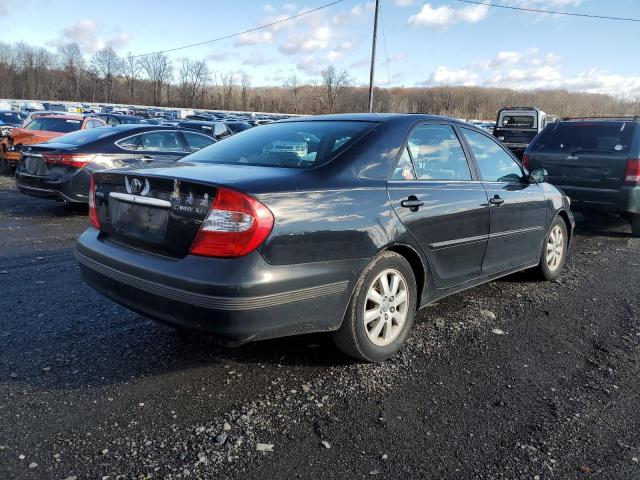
pixel 294 85
pixel 73 64
pixel 228 83
pixel 334 83
pixel 131 69
pixel 159 69
pixel 245 84
pixel 107 64
pixel 194 76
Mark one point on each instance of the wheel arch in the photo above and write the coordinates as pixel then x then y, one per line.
pixel 417 265
pixel 565 216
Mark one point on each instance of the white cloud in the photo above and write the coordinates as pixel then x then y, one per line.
pixel 404 3
pixel 255 59
pixel 259 37
pixel 443 76
pixel 360 11
pixel 443 16
pixel 530 69
pixel 91 38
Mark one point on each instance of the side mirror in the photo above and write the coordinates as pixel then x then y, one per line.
pixel 538 175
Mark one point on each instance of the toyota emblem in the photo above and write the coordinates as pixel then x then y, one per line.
pixel 136 186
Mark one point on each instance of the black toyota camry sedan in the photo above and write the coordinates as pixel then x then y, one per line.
pixel 61 168
pixel 342 223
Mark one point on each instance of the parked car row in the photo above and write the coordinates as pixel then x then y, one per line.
pixel 40 126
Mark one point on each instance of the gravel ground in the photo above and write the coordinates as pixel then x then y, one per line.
pixel 518 379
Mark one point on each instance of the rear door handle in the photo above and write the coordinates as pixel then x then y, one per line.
pixel 496 200
pixel 412 203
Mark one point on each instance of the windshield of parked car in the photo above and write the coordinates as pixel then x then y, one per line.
pixel 587 137
pixel 11 117
pixel 62 125
pixel 291 144
pixel 80 137
pixel 518 121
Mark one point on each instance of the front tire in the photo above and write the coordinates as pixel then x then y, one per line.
pixel 381 311
pixel 554 250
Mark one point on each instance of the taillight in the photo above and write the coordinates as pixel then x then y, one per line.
pixel 93 213
pixel 78 160
pixel 525 161
pixel 236 225
pixel 632 172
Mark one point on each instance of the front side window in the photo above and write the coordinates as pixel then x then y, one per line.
pixel 494 163
pixel 161 142
pixel 301 144
pixel 60 125
pixel 437 153
pixel 113 121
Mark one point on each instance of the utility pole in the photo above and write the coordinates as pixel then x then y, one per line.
pixel 373 55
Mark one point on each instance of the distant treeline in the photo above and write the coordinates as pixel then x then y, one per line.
pixel 36 73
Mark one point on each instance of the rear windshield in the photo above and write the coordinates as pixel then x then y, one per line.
pixel 291 144
pixel 61 125
pixel 80 137
pixel 585 137
pixel 518 121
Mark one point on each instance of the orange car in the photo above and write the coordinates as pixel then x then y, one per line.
pixel 40 130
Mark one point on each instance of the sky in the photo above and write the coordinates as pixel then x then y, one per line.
pixel 420 43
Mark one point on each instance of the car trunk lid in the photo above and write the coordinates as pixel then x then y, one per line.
pixel 153 213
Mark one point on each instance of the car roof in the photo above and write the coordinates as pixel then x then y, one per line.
pixel 63 117
pixel 377 117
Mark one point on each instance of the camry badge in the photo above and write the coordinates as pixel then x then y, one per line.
pixel 135 186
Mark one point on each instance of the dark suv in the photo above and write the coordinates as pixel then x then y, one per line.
pixel 596 161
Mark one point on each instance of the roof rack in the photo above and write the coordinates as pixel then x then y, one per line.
pixel 604 117
pixel 520 108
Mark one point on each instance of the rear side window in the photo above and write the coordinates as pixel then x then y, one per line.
pixel 494 163
pixel 161 142
pixel 197 141
pixel 586 137
pixel 301 144
pixel 436 153
pixel 60 125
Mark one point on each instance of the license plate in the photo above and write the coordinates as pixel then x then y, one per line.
pixel 144 223
pixel 34 166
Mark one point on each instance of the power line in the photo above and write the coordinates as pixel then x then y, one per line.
pixel 306 12
pixel 569 14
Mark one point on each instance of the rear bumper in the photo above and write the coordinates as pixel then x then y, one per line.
pixel 624 200
pixel 237 300
pixel 70 188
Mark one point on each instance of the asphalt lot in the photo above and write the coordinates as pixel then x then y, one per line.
pixel 549 388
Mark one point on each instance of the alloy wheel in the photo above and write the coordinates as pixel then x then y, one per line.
pixel 555 248
pixel 386 306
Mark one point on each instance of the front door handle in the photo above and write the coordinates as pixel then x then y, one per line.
pixel 412 203
pixel 496 200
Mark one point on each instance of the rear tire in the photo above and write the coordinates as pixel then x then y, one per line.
pixel 554 250
pixel 381 311
pixel 635 225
